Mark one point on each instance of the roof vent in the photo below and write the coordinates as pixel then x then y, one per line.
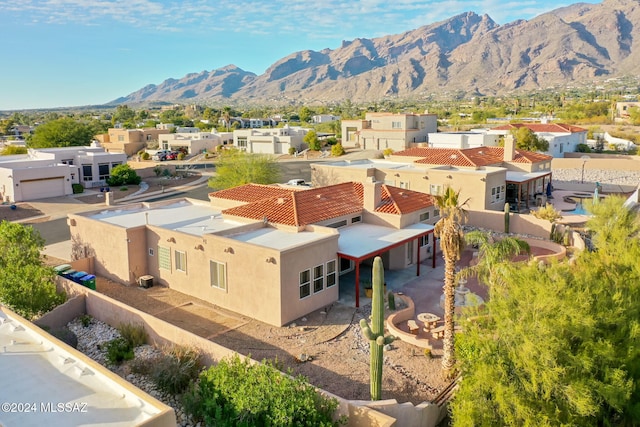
pixel 280 201
pixel 454 156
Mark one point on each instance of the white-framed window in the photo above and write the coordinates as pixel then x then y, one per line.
pixel 404 184
pixel 424 216
pixel 396 125
pixel 318 278
pixel 423 241
pixel 242 143
pixel 151 253
pixel 305 283
pixel 164 258
pixel 435 189
pixel 331 273
pixel 497 194
pixel 218 273
pixel 181 260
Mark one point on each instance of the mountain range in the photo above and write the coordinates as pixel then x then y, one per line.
pixel 467 54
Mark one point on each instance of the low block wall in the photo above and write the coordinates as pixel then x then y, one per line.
pixel 161 333
pixel 402 316
pixel 518 223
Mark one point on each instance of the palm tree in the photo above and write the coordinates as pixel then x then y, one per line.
pixel 449 230
pixel 492 255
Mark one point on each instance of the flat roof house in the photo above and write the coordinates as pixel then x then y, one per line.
pixel 39 373
pixel 269 141
pixel 50 172
pixel 267 252
pixel 562 138
pixel 397 131
pixel 487 176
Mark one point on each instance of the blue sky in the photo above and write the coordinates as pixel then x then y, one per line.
pixel 60 53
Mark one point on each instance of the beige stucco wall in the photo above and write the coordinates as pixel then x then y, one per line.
pixel 518 223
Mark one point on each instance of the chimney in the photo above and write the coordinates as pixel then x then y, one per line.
pixel 372 194
pixel 509 148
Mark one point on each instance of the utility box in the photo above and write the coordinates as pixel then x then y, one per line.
pixel 145 281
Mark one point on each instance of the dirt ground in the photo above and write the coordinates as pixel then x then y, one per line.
pixel 331 338
pixel 155 184
pixel 22 211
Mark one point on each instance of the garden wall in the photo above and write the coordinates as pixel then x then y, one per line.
pixel 518 223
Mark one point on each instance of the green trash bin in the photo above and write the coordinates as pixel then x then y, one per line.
pixel 60 269
pixel 89 281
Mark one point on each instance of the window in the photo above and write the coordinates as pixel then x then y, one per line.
pixel 345 265
pixel 120 138
pixel 113 165
pixel 424 216
pixel 435 189
pixel 331 273
pixel 181 261
pixel 87 172
pixel 404 184
pixel 67 162
pixel 318 278
pixel 103 171
pixel 242 143
pixel 305 283
pixel 436 213
pixel 497 194
pixel 356 219
pixel 164 258
pixel 423 241
pixel 217 271
pixel 396 125
pixel 151 253
pixel 561 147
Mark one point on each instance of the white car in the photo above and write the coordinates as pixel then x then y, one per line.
pixel 298 182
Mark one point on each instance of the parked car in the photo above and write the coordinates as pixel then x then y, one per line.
pixel 161 155
pixel 173 155
pixel 298 182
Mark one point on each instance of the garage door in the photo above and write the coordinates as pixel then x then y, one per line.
pixel 42 188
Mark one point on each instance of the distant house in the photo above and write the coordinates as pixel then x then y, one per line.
pixel 379 131
pixel 324 118
pixel 488 177
pixel 194 142
pixel 462 140
pixel 49 172
pixel 623 108
pixel 269 141
pixel 129 141
pixel 267 252
pixel 562 138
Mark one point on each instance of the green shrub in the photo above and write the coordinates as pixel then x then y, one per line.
pixel 583 148
pixel 387 151
pixel 166 173
pixel 181 156
pixel 123 175
pixel 143 366
pixel 157 170
pixel 134 334
pixel 337 150
pixel 292 151
pixel 85 319
pixel 177 369
pixel 258 395
pixel 77 188
pixel 118 350
pixel 145 156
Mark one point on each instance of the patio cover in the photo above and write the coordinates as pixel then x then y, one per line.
pixel 520 177
pixel 361 241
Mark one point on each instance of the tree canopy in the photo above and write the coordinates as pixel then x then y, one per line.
pixel 26 285
pixel 557 345
pixel 123 175
pixel 529 141
pixel 311 139
pixel 235 168
pixel 64 132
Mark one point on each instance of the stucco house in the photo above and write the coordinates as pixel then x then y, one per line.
pixel 49 172
pixel 129 141
pixel 267 252
pixel 562 138
pixel 379 131
pixel 269 141
pixel 194 142
pixel 462 140
pixel 487 176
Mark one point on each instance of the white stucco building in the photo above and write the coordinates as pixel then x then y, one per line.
pixel 269 141
pixel 194 142
pixel 562 138
pixel 49 172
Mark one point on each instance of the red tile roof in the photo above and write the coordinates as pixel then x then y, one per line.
pixel 250 192
pixel 299 208
pixel 470 157
pixel 546 127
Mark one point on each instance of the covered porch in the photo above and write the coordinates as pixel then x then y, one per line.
pixel 364 241
pixel 524 188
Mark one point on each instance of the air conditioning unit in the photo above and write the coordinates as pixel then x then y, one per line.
pixel 145 281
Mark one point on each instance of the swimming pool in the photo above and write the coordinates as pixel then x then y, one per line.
pixel 579 200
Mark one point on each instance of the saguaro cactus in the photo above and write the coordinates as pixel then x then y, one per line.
pixel 375 332
pixel 507 210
